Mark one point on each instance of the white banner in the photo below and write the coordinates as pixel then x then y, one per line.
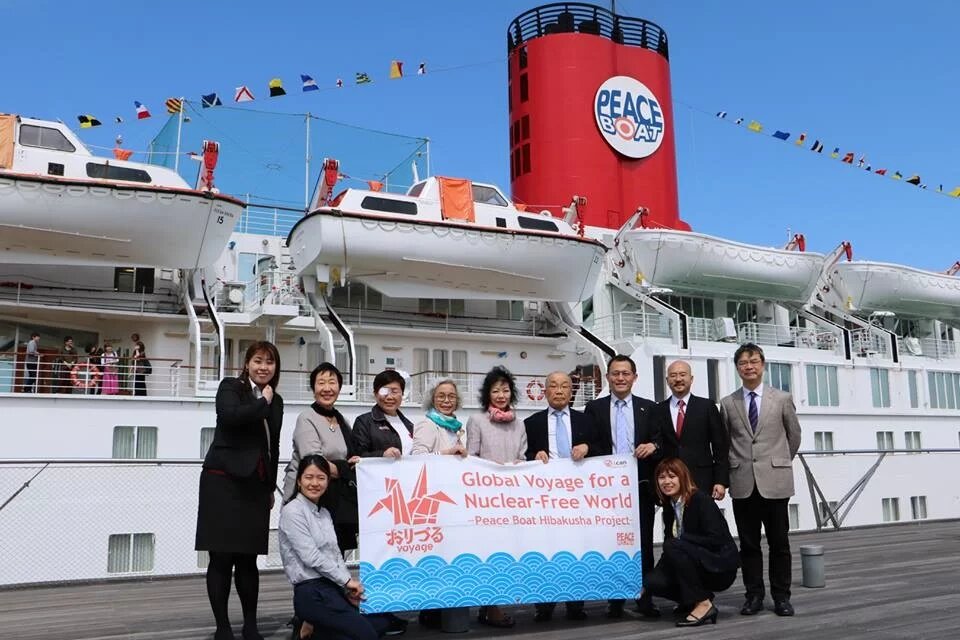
pixel 443 531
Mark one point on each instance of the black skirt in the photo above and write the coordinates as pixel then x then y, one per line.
pixel 233 515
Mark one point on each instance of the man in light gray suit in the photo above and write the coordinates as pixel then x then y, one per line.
pixel 764 438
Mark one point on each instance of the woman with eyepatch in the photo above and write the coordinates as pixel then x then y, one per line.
pixel 325 594
pixel 384 431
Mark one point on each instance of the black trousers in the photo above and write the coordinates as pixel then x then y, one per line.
pixel 547 607
pixel 749 514
pixel 323 605
pixel 648 514
pixel 679 577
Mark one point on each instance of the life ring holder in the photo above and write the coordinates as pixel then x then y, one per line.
pixel 84 381
pixel 535 390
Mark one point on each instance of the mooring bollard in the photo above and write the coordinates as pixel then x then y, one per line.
pixel 455 620
pixel 811 562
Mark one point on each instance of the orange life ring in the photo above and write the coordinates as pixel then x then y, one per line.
pixel 84 376
pixel 535 390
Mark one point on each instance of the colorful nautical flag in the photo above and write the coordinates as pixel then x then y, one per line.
pixel 210 100
pixel 339 83
pixel 309 84
pixel 375 185
pixel 174 105
pixel 142 112
pixel 118 120
pixel 362 78
pixel 881 172
pixel 848 158
pixel 87 121
pixel 817 147
pixel 721 114
pixel 122 154
pixel 914 179
pixel 422 69
pixel 276 88
pixel 242 94
pixel 781 135
pixel 955 193
pixel 738 121
pixel 755 126
pixel 801 139
pixel 396 69
pixel 897 175
pixel 861 161
pixel 835 153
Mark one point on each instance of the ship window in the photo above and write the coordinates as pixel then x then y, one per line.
pixel 822 387
pixel 206 439
pixel 54 169
pixel 885 440
pixel 524 88
pixel 134 442
pixel 524 127
pixel 918 507
pixel 509 309
pixel 526 158
pixel 389 205
pixel 488 195
pixel 523 57
pixel 911 440
pixel 793 512
pixel 778 374
pixel 502 223
pixel 112 172
pixel 540 224
pixel 130 552
pixel 823 441
pixel 912 385
pixel 416 189
pixel 880 386
pixel 45 138
pixel 891 509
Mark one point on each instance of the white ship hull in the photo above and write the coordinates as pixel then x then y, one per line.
pixel 877 286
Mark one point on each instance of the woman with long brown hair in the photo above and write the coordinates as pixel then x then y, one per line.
pixel 699 555
pixel 237 483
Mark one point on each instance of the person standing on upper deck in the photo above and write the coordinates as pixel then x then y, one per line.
pixel 31 364
pixel 764 437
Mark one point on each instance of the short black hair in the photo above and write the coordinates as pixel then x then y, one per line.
pixel 67 339
pixel 387 376
pixel 34 335
pixel 495 375
pixel 255 348
pixel 748 348
pixel 622 358
pixel 325 367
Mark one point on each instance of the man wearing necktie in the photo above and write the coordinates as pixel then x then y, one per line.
pixel 623 426
pixel 764 435
pixel 692 431
pixel 560 432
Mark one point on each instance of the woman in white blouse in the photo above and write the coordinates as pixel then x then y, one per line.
pixel 440 432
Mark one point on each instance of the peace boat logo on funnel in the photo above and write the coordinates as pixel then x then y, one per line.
pixel 629 116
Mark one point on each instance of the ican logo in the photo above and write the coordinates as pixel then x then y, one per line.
pixel 629 116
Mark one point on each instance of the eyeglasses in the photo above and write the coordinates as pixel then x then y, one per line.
pixel 753 361
pixel 445 397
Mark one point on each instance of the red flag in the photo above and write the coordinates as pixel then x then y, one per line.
pixel 848 158
pixel 375 185
pixel 122 154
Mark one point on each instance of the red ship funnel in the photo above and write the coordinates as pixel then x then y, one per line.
pixel 591 114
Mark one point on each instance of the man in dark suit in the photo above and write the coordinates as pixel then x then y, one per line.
pixel 623 426
pixel 764 432
pixel 692 431
pixel 560 432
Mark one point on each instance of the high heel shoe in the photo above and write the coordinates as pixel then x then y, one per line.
pixel 710 616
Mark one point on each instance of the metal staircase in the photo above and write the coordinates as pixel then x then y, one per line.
pixel 198 302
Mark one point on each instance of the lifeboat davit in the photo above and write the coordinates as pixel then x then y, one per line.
pixel 446 238
pixel 689 262
pixel 878 286
pixel 60 204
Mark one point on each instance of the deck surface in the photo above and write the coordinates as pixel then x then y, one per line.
pixel 883 583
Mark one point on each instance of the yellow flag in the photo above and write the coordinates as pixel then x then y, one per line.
pixel 396 69
pixel 955 193
pixel 755 126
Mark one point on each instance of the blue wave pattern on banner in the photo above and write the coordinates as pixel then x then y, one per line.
pixel 502 579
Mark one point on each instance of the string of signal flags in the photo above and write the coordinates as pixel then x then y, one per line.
pixel 850 158
pixel 244 93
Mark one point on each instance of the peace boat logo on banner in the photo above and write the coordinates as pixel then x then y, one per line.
pixel 413 518
pixel 629 116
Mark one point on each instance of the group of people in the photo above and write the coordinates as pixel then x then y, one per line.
pixel 689 455
pixel 99 370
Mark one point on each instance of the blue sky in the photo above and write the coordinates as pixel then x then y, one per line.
pixel 874 78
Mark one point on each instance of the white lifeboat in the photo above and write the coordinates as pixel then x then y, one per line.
pixel 60 204
pixel 689 262
pixel 446 238
pixel 878 286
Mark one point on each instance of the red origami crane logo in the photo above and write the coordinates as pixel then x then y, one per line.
pixel 419 509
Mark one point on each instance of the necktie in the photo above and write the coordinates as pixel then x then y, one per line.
pixel 624 440
pixel 753 414
pixel 563 438
pixel 680 416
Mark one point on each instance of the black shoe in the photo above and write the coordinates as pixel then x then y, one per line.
pixel 647 609
pixel 615 610
pixel 710 616
pixel 782 608
pixel 576 614
pixel 224 634
pixel 250 632
pixel 429 618
pixel 397 626
pixel 543 616
pixel 752 606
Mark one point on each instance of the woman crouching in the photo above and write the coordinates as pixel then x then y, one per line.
pixel 324 592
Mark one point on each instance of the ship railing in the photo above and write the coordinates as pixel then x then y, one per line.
pixel 703 329
pixel 359 317
pixel 274 287
pixel 268 221
pixel 159 301
pixel 787 336
pixel 869 341
pixel 927 347
pixel 630 324
pixel 853 469
pixel 86 375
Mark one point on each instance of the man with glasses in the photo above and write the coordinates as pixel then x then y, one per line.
pixel 624 426
pixel 560 432
pixel 764 437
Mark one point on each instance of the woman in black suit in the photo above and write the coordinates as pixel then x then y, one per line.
pixel 699 555
pixel 384 431
pixel 237 483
